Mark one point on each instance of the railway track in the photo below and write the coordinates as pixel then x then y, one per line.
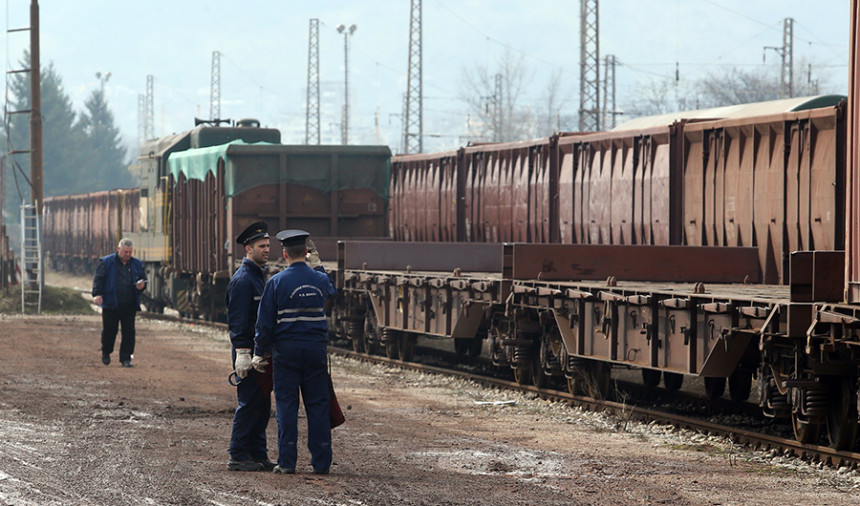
pixel 738 436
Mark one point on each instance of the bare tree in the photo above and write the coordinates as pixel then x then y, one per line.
pixel 813 79
pixel 553 101
pixel 719 88
pixel 653 97
pixel 493 99
pixel 736 86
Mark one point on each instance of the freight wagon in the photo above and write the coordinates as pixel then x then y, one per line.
pixel 79 229
pixel 200 188
pixel 765 176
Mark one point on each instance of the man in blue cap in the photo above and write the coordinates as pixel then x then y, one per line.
pixel 292 331
pixel 248 450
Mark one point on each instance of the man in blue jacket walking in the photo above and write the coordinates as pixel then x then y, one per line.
pixel 292 332
pixel 117 285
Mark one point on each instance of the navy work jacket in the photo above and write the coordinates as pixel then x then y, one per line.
pixel 104 283
pixel 292 310
pixel 242 299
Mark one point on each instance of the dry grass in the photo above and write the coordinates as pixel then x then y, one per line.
pixel 55 300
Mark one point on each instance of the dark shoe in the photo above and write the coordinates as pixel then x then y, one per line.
pixel 283 470
pixel 268 465
pixel 244 465
pixel 127 363
pixel 321 471
pixel 106 358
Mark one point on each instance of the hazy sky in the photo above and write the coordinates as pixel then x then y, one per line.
pixel 264 46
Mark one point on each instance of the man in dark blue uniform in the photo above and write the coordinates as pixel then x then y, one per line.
pixel 292 331
pixel 117 285
pixel 248 451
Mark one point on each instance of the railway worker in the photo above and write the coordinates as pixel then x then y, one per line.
pixel 293 333
pixel 248 451
pixel 117 285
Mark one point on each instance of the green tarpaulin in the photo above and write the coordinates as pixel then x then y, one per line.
pixel 249 165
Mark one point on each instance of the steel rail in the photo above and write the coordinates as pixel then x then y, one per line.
pixel 741 437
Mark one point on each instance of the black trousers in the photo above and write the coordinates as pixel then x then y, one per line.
pixel 111 319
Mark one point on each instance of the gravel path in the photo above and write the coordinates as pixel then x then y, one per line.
pixel 76 432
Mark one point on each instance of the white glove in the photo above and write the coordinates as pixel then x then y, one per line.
pixel 313 259
pixel 259 363
pixel 243 362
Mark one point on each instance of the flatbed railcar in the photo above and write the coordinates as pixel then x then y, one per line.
pixel 570 313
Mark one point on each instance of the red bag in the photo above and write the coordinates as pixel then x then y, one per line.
pixel 335 415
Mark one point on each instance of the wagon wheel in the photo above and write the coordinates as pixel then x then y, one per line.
pixel 804 432
pixel 842 416
pixel 573 385
pixel 672 381
pixel 714 387
pixel 371 333
pixel 357 343
pixel 539 377
pixel 355 334
pixel 391 350
pixel 740 385
pixel 578 378
pixel 405 347
pixel 523 374
pixel 390 341
pixel 651 377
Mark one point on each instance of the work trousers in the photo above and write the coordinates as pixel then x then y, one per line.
pixel 306 370
pixel 111 319
pixel 248 439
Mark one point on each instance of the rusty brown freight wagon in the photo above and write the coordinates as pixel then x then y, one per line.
pixel 79 229
pixel 764 175
pixel 333 192
pixel 487 193
pixel 770 181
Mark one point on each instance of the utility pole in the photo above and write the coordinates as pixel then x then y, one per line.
pixel 32 263
pixel 609 112
pixel 344 134
pixel 787 71
pixel 149 109
pixel 403 101
pixel 141 119
pixel 786 53
pixel 589 67
pixel 35 111
pixel 414 127
pixel 215 88
pixel 498 119
pixel 312 119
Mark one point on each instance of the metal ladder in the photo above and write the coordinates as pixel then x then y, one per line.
pixel 31 257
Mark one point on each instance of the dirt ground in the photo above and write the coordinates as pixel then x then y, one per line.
pixel 73 431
